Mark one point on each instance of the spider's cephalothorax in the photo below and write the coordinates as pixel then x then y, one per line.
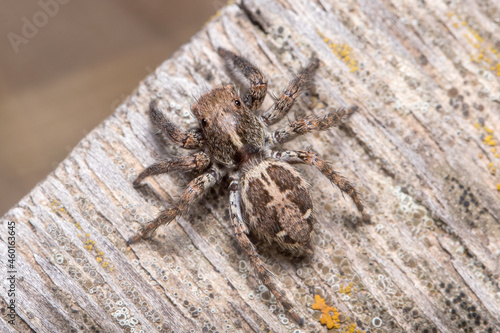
pixel 230 129
pixel 266 193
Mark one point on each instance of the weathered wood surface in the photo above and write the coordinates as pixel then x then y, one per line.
pixel 420 150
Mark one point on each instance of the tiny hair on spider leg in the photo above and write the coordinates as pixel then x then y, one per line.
pixel 268 197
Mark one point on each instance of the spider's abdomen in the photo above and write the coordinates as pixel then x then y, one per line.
pixel 277 205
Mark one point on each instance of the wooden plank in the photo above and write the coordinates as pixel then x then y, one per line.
pixel 421 151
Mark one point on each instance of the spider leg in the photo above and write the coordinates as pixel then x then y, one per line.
pixel 194 190
pixel 288 96
pixel 312 158
pixel 255 96
pixel 241 232
pixel 191 139
pixel 196 162
pixel 309 124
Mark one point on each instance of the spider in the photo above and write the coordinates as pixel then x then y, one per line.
pixel 267 195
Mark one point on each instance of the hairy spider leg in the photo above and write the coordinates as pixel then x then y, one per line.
pixel 309 124
pixel 194 190
pixel 241 233
pixel 289 95
pixel 196 162
pixel 312 158
pixel 192 139
pixel 258 84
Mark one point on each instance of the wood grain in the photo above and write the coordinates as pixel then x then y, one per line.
pixel 421 151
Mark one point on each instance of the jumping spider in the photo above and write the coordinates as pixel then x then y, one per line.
pixel 266 193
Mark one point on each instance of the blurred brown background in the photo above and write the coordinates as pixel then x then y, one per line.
pixel 65 65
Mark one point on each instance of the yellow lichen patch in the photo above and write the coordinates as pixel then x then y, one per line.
pixel 347 289
pixel 89 245
pixel 352 329
pixel 473 33
pixel 492 168
pixel 343 52
pixel 329 314
pixel 56 207
pixel 489 140
pixel 484 54
pixel 331 317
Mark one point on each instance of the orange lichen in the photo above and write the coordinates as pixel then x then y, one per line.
pixel 329 314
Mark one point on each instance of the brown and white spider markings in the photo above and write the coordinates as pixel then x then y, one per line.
pixel 266 193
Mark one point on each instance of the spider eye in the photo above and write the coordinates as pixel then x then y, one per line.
pixel 203 122
pixel 237 102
